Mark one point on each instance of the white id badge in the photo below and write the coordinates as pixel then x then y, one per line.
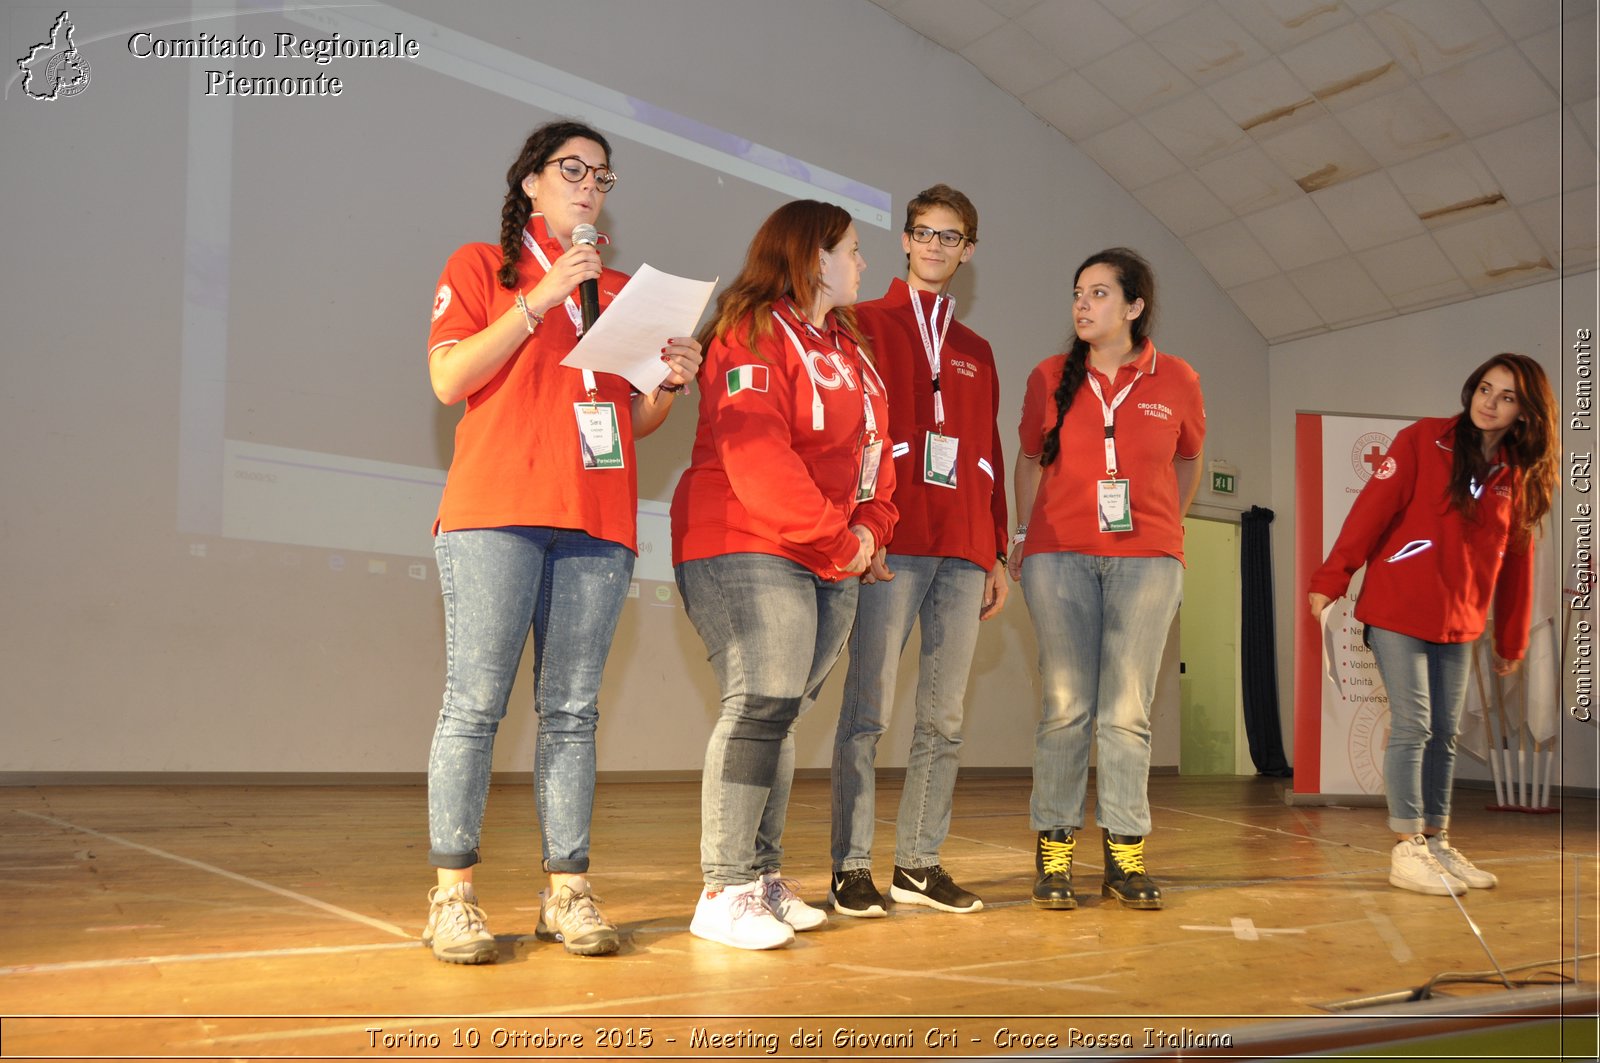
pixel 871 455
pixel 598 435
pixel 939 460
pixel 1112 507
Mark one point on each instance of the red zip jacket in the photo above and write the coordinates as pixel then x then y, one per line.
pixel 1431 572
pixel 968 521
pixel 777 454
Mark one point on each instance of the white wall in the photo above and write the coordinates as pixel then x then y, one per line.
pixel 1414 366
pixel 126 651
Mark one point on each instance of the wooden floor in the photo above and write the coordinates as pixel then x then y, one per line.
pixel 239 922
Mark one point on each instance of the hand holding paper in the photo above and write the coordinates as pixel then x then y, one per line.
pixel 627 338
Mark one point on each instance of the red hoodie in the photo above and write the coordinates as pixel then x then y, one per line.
pixel 1430 572
pixel 777 454
pixel 967 521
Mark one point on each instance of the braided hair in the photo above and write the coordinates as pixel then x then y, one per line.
pixel 1138 281
pixel 537 151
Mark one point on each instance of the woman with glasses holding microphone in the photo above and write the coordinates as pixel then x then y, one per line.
pixel 536 529
pixel 781 510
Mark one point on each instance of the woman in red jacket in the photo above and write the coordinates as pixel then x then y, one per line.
pixel 1444 526
pixel 782 509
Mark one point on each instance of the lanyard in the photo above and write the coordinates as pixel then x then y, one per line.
pixel 1109 413
pixel 589 383
pixel 817 418
pixel 933 345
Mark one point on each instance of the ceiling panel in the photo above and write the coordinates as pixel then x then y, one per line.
pixel 1328 161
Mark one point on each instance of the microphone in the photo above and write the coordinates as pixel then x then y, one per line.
pixel 589 290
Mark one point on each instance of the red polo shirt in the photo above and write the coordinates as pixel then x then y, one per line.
pixel 517 458
pixel 1163 418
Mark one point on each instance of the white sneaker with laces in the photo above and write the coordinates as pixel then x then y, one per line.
pixel 738 916
pixel 782 901
pixel 1452 861
pixel 1412 866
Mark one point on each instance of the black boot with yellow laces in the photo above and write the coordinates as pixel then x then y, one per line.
pixel 1125 875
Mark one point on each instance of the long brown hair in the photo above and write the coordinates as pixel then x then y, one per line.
pixel 1532 445
pixel 1138 281
pixel 782 263
pixel 540 147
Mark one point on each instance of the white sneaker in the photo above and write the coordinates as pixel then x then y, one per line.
pixel 782 901
pixel 737 916
pixel 1457 865
pixel 1412 866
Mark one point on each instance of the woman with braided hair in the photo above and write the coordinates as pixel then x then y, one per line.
pixel 536 529
pixel 1111 436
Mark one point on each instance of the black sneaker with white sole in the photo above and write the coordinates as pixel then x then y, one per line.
pixel 853 893
pixel 931 887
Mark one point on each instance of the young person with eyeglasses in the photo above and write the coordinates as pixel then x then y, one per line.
pixel 1444 528
pixel 536 530
pixel 946 564
pixel 1111 436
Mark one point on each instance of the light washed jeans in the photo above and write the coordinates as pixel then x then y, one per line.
pixel 1427 684
pixel 946 595
pixel 1102 627
pixel 772 631
pixel 498 582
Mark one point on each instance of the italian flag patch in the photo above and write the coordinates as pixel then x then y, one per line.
pixel 747 378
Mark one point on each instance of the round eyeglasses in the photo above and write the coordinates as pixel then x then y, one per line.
pixel 948 237
pixel 575 170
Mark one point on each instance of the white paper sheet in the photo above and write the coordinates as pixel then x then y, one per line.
pixel 627 338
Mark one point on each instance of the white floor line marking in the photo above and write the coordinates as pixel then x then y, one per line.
pixel 1391 935
pixel 1243 929
pixel 332 909
pixel 945 976
pixel 586 1008
pixel 199 957
pixel 1272 830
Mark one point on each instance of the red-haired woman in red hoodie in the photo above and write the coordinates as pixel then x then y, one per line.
pixel 1445 526
pixel 783 507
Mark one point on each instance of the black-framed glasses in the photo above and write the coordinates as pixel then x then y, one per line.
pixel 948 237
pixel 575 170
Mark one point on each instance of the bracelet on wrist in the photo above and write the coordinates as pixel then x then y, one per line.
pixel 529 318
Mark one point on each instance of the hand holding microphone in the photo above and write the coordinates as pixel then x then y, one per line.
pixel 589 289
pixel 577 268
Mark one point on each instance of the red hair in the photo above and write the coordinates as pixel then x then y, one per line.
pixel 782 263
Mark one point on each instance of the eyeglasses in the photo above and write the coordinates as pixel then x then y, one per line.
pixel 948 237
pixel 575 170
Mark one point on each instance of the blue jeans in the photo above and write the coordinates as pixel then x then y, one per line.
pixel 946 595
pixel 1427 683
pixel 772 631
pixel 498 582
pixel 1102 626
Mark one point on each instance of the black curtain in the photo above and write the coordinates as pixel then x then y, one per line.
pixel 1258 650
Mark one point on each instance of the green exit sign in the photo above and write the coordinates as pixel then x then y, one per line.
pixel 1222 483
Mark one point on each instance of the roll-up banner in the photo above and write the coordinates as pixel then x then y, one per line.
pixel 1341 711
